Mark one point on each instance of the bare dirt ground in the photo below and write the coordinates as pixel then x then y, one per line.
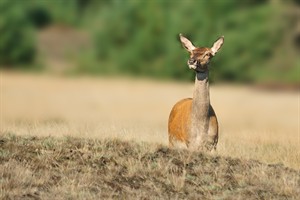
pixel 58 141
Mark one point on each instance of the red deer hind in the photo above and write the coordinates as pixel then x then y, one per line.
pixel 192 122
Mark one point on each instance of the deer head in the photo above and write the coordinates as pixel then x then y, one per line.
pixel 200 56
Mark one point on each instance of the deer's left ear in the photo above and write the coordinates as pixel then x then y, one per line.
pixel 217 45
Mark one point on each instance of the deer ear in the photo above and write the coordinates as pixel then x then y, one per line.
pixel 217 45
pixel 186 43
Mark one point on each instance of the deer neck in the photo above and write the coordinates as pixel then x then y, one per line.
pixel 199 113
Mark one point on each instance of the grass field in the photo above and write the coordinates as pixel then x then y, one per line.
pixel 254 124
pixel 78 168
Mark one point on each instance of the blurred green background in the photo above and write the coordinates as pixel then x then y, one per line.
pixel 140 37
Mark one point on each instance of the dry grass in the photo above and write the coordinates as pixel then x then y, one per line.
pixel 70 168
pixel 253 125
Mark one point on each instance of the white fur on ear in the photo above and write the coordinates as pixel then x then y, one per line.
pixel 217 45
pixel 186 43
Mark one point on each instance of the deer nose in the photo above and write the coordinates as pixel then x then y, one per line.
pixel 192 61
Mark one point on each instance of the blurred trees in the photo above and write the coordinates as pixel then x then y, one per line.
pixel 17 39
pixel 141 37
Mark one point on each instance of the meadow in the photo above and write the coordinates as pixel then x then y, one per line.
pixel 254 123
pixel 65 127
pixel 79 120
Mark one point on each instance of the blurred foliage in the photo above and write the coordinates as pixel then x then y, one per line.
pixel 17 38
pixel 141 37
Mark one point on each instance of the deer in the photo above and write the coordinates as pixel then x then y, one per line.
pixel 193 122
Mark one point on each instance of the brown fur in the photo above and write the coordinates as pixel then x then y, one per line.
pixel 180 123
pixel 202 54
pixel 199 51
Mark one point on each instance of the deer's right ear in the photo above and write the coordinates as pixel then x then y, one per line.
pixel 186 43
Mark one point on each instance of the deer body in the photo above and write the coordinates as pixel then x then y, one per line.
pixel 192 122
